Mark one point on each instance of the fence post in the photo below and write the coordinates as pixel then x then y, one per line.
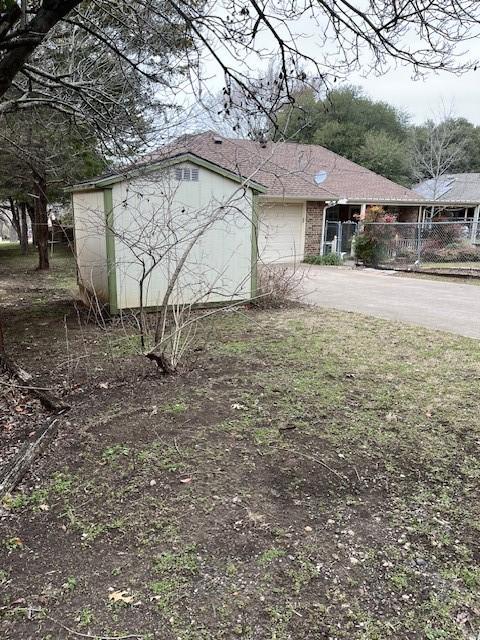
pixel 419 243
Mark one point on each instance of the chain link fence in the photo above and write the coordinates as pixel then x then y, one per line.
pixel 426 245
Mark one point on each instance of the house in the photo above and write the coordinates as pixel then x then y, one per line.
pixel 181 224
pixel 275 201
pixel 309 191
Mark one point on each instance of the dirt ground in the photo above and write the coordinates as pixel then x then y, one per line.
pixel 314 474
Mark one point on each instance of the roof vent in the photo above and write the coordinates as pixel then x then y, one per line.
pixel 217 140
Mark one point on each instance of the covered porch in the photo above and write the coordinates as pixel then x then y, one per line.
pixel 342 219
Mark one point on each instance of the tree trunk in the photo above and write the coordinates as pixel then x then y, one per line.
pixel 31 215
pixel 23 228
pixel 15 217
pixel 41 219
pixel 2 337
pixel 49 13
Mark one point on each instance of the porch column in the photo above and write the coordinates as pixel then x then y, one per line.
pixel 361 220
pixel 476 217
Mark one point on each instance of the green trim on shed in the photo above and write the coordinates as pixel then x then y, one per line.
pixel 135 171
pixel 254 252
pixel 110 243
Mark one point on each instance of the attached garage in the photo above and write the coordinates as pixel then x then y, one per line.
pixel 281 232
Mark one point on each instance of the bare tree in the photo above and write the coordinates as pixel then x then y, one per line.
pixel 152 42
pixel 437 148
pixel 165 262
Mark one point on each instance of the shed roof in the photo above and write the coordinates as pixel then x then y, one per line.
pixel 150 163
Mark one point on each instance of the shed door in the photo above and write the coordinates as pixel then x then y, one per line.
pixel 281 233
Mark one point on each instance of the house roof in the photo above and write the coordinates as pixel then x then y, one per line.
pixel 285 169
pixel 452 188
pixel 290 169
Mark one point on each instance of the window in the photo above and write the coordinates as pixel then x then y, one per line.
pixel 187 174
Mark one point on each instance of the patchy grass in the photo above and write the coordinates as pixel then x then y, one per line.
pixel 471 266
pixel 315 475
pixel 439 277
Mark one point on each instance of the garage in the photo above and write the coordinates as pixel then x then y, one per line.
pixel 281 232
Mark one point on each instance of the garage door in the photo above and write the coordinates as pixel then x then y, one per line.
pixel 281 233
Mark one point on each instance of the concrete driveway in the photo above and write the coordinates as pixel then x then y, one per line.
pixel 448 306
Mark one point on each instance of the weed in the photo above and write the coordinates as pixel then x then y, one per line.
pixel 86 617
pixel 270 555
pixel 400 580
pixel 265 436
pixel 13 544
pixel 183 562
pixel 70 584
pixel 62 483
pixel 164 591
pixel 114 452
pixel 329 259
pixel 175 407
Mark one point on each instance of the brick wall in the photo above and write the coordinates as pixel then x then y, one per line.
pixel 313 228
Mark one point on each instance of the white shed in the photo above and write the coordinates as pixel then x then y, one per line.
pixel 134 231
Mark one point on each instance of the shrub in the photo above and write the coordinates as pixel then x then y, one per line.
pixel 330 259
pixel 458 252
pixel 368 250
pixel 278 286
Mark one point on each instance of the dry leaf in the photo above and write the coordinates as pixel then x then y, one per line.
pixel 121 596
pixel 185 480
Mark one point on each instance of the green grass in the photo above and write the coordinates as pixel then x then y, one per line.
pixel 61 275
pixel 312 474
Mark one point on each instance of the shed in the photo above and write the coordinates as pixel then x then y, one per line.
pixel 137 229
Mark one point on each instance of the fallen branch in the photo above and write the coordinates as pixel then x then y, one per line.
pixel 88 635
pixel 320 462
pixel 24 458
pixel 13 385
pixel 48 400
pixel 44 614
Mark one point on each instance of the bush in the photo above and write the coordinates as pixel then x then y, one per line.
pixel 278 286
pixel 459 252
pixel 368 250
pixel 330 259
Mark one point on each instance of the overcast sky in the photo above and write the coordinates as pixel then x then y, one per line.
pixel 423 98
pixel 431 96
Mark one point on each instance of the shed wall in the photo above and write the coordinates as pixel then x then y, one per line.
pixel 90 244
pixel 158 215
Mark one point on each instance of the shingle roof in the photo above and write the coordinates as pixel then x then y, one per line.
pixel 288 169
pixel 452 187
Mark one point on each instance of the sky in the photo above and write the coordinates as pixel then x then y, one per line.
pixel 425 98
pixel 431 96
